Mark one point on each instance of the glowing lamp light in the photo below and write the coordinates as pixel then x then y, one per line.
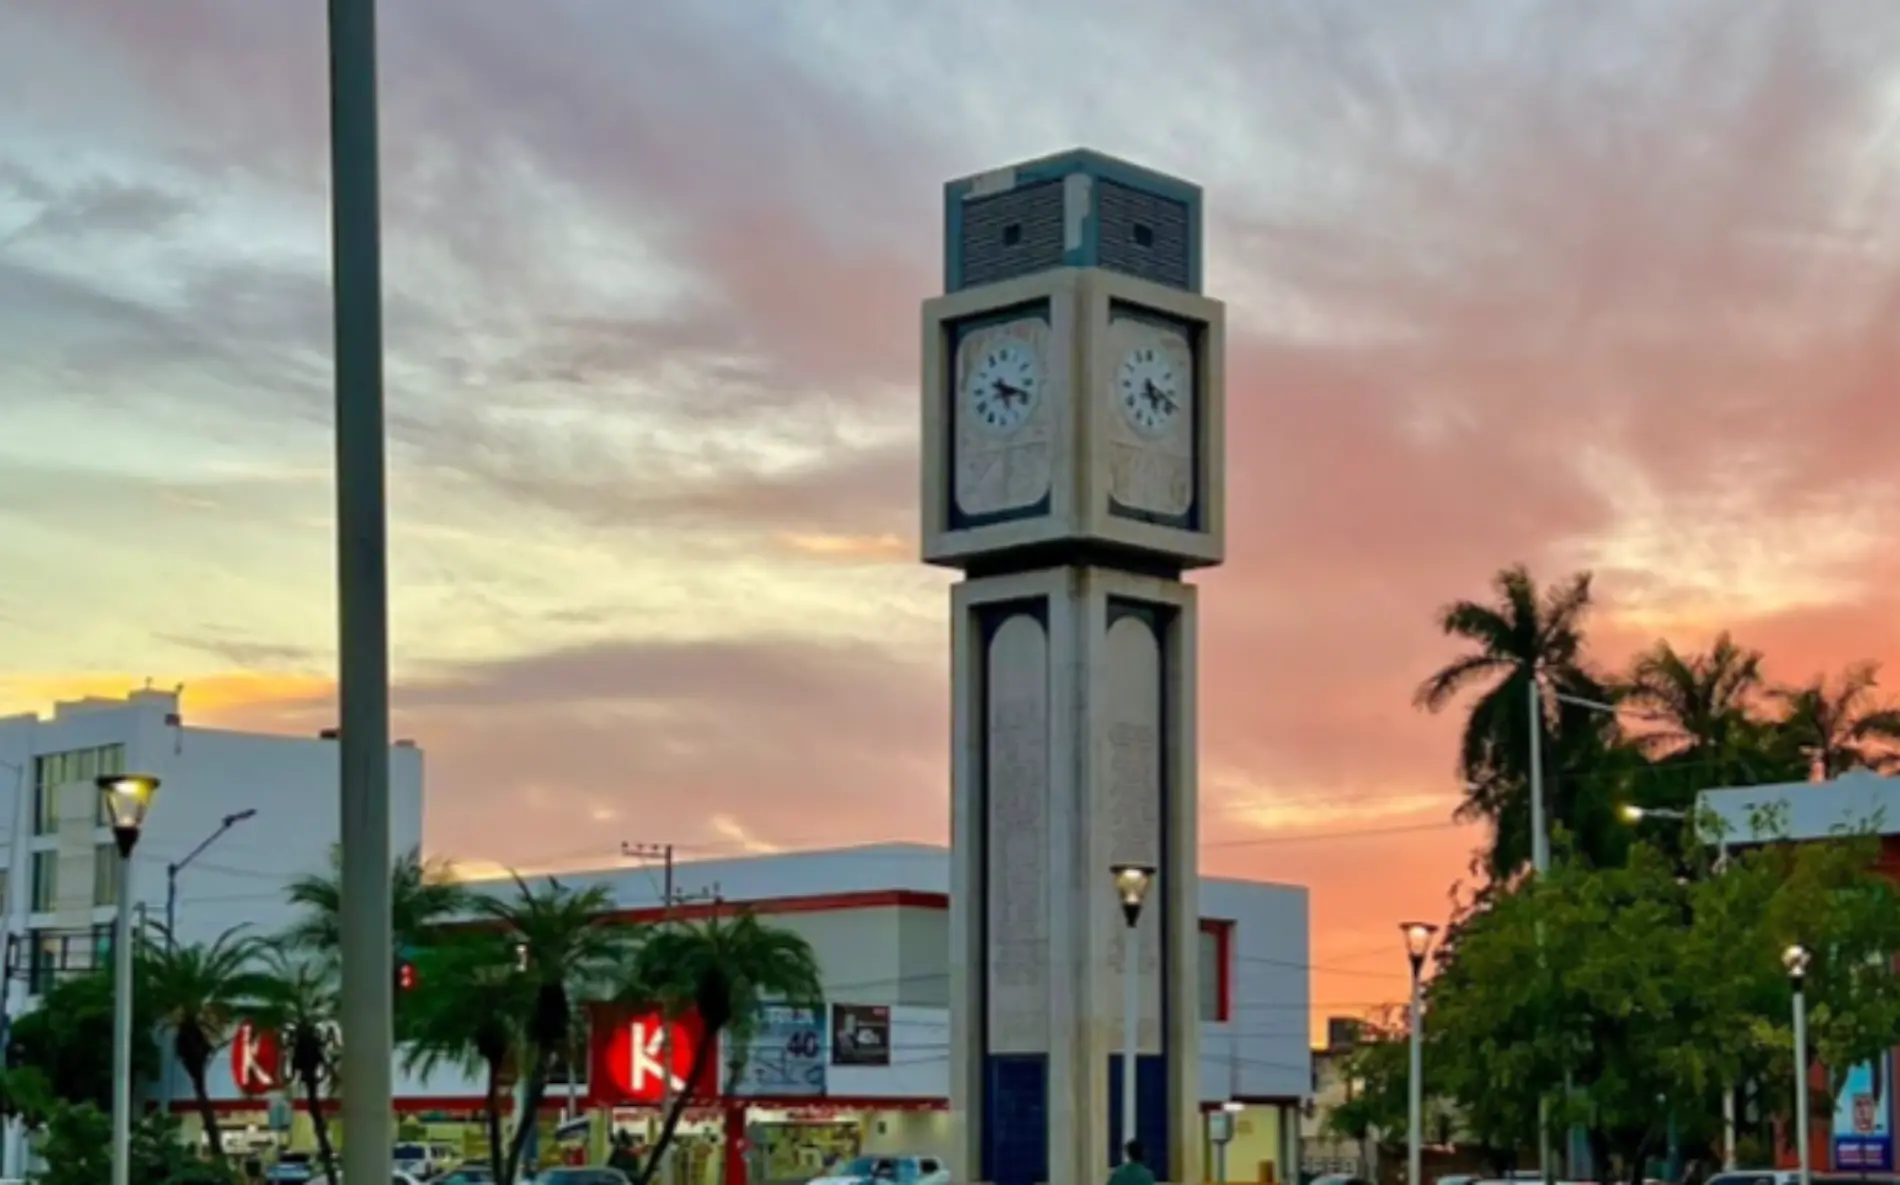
pixel 127 798
pixel 1796 959
pixel 1418 940
pixel 1131 886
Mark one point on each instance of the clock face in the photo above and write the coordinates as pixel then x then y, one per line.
pixel 1154 383
pixel 1002 385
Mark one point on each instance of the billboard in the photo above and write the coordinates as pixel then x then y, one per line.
pixel 1863 1119
pixel 860 1035
pixel 786 1055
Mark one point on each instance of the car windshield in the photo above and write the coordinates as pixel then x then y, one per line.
pixel 884 1168
pixel 411 1152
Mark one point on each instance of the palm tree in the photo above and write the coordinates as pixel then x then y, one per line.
pixel 467 1011
pixel 422 895
pixel 1698 712
pixel 198 992
pixel 1526 636
pixel 723 970
pixel 569 945
pixel 297 1000
pixel 1838 725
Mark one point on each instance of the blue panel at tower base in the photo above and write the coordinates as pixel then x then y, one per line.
pixel 1152 1126
pixel 1074 209
pixel 1015 1144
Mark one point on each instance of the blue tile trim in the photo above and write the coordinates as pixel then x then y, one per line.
pixel 1015 1144
pixel 1154 1123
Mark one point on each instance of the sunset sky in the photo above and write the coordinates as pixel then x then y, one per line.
pixel 1580 283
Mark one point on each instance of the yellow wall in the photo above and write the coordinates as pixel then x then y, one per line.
pixel 917 1133
pixel 1256 1140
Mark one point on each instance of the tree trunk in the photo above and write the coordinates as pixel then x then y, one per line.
pixel 207 1114
pixel 707 1047
pixel 320 1124
pixel 528 1119
pixel 497 1148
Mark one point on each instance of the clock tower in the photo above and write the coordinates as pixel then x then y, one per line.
pixel 1072 469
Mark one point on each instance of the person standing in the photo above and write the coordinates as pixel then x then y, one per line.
pixel 1133 1170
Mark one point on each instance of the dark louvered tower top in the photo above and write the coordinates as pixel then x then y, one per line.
pixel 1074 209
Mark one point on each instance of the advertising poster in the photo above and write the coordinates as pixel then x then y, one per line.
pixel 860 1035
pixel 787 1053
pixel 1863 1119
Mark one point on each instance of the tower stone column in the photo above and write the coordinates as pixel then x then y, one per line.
pixel 1072 434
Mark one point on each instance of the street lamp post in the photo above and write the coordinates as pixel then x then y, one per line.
pixel 1636 814
pixel 171 920
pixel 1418 942
pixel 1540 863
pixel 1132 882
pixel 127 798
pixel 1795 959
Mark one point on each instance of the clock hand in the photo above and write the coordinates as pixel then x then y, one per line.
pixel 1007 393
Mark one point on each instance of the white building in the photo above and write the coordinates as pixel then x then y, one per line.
pixel 877 917
pixel 60 887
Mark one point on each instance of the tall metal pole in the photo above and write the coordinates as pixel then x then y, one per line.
pixel 363 594
pixel 1415 1102
pixel 1801 1139
pixel 122 1025
pixel 1540 864
pixel 1131 1005
pixel 1728 1088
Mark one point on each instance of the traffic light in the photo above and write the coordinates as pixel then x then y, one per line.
pixel 405 976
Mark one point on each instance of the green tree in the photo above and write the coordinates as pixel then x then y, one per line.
pixel 297 1000
pixel 1698 714
pixel 198 992
pixel 1527 636
pixel 723 970
pixel 569 946
pixel 77 1148
pixel 423 894
pixel 469 1001
pixel 67 1040
pixel 1655 992
pixel 1839 725
pixel 1378 1074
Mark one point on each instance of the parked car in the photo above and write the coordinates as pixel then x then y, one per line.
pixel 878 1170
pixel 581 1176
pixel 418 1160
pixel 468 1174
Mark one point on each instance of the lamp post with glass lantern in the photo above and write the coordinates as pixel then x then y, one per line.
pixel 1795 960
pixel 1132 882
pixel 127 798
pixel 1418 943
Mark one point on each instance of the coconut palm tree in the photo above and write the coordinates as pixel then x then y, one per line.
pixel 722 970
pixel 1838 725
pixel 467 1010
pixel 1698 717
pixel 1526 636
pixel 569 945
pixel 422 895
pixel 297 1000
pixel 198 992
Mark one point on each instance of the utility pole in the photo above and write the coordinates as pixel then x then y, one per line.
pixel 670 896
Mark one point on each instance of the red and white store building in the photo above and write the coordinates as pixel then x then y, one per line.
pixel 872 1071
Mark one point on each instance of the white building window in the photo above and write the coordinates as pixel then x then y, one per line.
pixel 45 881
pixel 105 875
pixel 55 770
